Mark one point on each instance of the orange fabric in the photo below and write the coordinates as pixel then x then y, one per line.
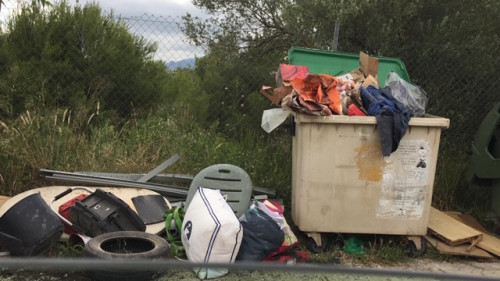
pixel 321 88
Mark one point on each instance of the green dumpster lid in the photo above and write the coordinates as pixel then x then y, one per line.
pixel 340 63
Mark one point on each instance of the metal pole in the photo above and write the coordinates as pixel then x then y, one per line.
pixel 336 36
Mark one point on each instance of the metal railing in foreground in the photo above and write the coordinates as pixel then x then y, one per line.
pixel 165 265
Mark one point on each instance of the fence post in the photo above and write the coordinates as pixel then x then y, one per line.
pixel 336 36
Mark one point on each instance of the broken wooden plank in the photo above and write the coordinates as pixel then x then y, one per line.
pixel 489 242
pixel 460 250
pixel 450 230
pixel 474 243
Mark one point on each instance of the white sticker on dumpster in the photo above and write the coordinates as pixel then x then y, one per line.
pixel 404 181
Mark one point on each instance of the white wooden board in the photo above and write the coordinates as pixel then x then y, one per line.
pixel 49 192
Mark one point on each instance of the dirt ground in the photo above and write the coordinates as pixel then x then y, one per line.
pixel 466 267
pixel 470 270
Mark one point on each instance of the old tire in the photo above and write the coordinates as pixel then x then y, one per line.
pixel 125 245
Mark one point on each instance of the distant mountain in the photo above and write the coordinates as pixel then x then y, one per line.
pixel 185 63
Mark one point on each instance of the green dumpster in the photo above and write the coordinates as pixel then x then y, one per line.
pixel 483 169
pixel 340 63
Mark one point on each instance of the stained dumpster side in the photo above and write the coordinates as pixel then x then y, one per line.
pixel 341 182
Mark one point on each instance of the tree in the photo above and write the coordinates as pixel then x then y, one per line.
pixel 76 57
pixel 444 44
pixel 268 25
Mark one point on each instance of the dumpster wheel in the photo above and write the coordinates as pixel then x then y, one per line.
pixel 317 242
pixel 417 246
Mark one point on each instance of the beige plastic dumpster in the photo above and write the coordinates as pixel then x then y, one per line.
pixel 341 182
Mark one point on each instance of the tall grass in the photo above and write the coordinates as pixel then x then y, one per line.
pixel 452 192
pixel 55 140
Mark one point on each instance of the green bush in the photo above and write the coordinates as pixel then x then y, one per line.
pixel 88 45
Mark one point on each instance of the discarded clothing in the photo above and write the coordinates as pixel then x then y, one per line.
pixel 297 103
pixel 392 117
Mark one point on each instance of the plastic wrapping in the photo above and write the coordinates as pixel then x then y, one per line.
pixel 353 246
pixel 410 95
pixel 272 118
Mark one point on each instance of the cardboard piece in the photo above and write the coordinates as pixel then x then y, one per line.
pixel 355 75
pixel 365 75
pixel 368 65
pixel 370 81
pixel 368 69
pixel 450 230
pixel 489 242
pixel 460 250
pixel 275 95
pixel 468 220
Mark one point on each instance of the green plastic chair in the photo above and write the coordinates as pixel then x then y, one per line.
pixel 231 180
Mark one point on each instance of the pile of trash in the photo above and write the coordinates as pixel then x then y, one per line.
pixel 221 220
pixel 356 93
pixel 210 233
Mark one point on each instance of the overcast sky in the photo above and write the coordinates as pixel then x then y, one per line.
pixel 157 26
pixel 157 7
pixel 129 7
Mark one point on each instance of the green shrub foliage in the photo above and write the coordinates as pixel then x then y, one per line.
pixel 42 46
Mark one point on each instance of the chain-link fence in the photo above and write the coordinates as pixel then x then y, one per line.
pixel 446 84
pixel 172 45
pixel 455 92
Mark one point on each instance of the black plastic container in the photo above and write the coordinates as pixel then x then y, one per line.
pixel 102 212
pixel 29 227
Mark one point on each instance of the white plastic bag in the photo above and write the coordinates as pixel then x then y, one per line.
pixel 211 232
pixel 272 118
pixel 411 96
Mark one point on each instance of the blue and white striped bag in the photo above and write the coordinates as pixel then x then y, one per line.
pixel 211 232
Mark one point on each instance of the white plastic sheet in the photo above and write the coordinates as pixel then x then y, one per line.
pixel 272 118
